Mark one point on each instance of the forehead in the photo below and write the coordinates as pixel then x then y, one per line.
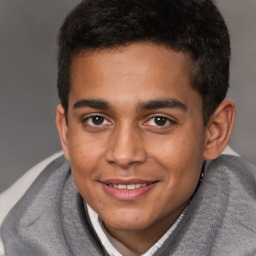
pixel 141 71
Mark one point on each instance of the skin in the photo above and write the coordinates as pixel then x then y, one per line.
pixel 148 128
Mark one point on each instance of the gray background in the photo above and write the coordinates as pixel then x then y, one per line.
pixel 28 97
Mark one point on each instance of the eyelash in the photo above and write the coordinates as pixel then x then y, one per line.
pixel 87 120
pixel 166 120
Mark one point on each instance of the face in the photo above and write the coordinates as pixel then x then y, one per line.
pixel 135 135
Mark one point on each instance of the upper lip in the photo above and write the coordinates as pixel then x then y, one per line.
pixel 127 182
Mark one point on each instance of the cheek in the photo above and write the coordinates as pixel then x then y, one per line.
pixel 85 168
pixel 82 146
pixel 176 150
pixel 86 155
pixel 181 156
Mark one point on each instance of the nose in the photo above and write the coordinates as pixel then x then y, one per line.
pixel 126 147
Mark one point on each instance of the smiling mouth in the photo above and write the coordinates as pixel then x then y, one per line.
pixel 128 186
pixel 123 190
pixel 128 190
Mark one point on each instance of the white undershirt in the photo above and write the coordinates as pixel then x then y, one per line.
pixel 114 247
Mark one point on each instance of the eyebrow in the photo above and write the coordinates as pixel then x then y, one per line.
pixel 91 103
pixel 148 105
pixel 156 104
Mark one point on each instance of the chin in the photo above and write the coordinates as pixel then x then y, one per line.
pixel 127 220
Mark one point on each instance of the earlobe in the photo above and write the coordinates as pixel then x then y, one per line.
pixel 62 129
pixel 219 129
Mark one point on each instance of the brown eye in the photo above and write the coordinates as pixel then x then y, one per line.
pixel 97 120
pixel 160 121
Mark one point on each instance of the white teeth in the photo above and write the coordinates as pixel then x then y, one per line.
pixel 129 186
pixel 121 186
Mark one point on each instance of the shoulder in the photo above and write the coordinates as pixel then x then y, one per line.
pixel 234 171
pixel 220 220
pixel 38 201
pixel 47 183
pixel 10 197
pixel 229 195
pixel 234 179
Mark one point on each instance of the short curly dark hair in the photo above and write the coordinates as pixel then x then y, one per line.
pixel 195 27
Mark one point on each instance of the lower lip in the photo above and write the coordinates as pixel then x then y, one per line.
pixel 128 194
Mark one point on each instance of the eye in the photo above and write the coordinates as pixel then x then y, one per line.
pixel 96 120
pixel 159 121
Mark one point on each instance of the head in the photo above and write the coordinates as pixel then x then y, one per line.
pixel 193 27
pixel 142 85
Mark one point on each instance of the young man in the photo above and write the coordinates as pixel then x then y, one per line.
pixel 142 87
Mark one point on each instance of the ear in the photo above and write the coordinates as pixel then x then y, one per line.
pixel 62 127
pixel 219 129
